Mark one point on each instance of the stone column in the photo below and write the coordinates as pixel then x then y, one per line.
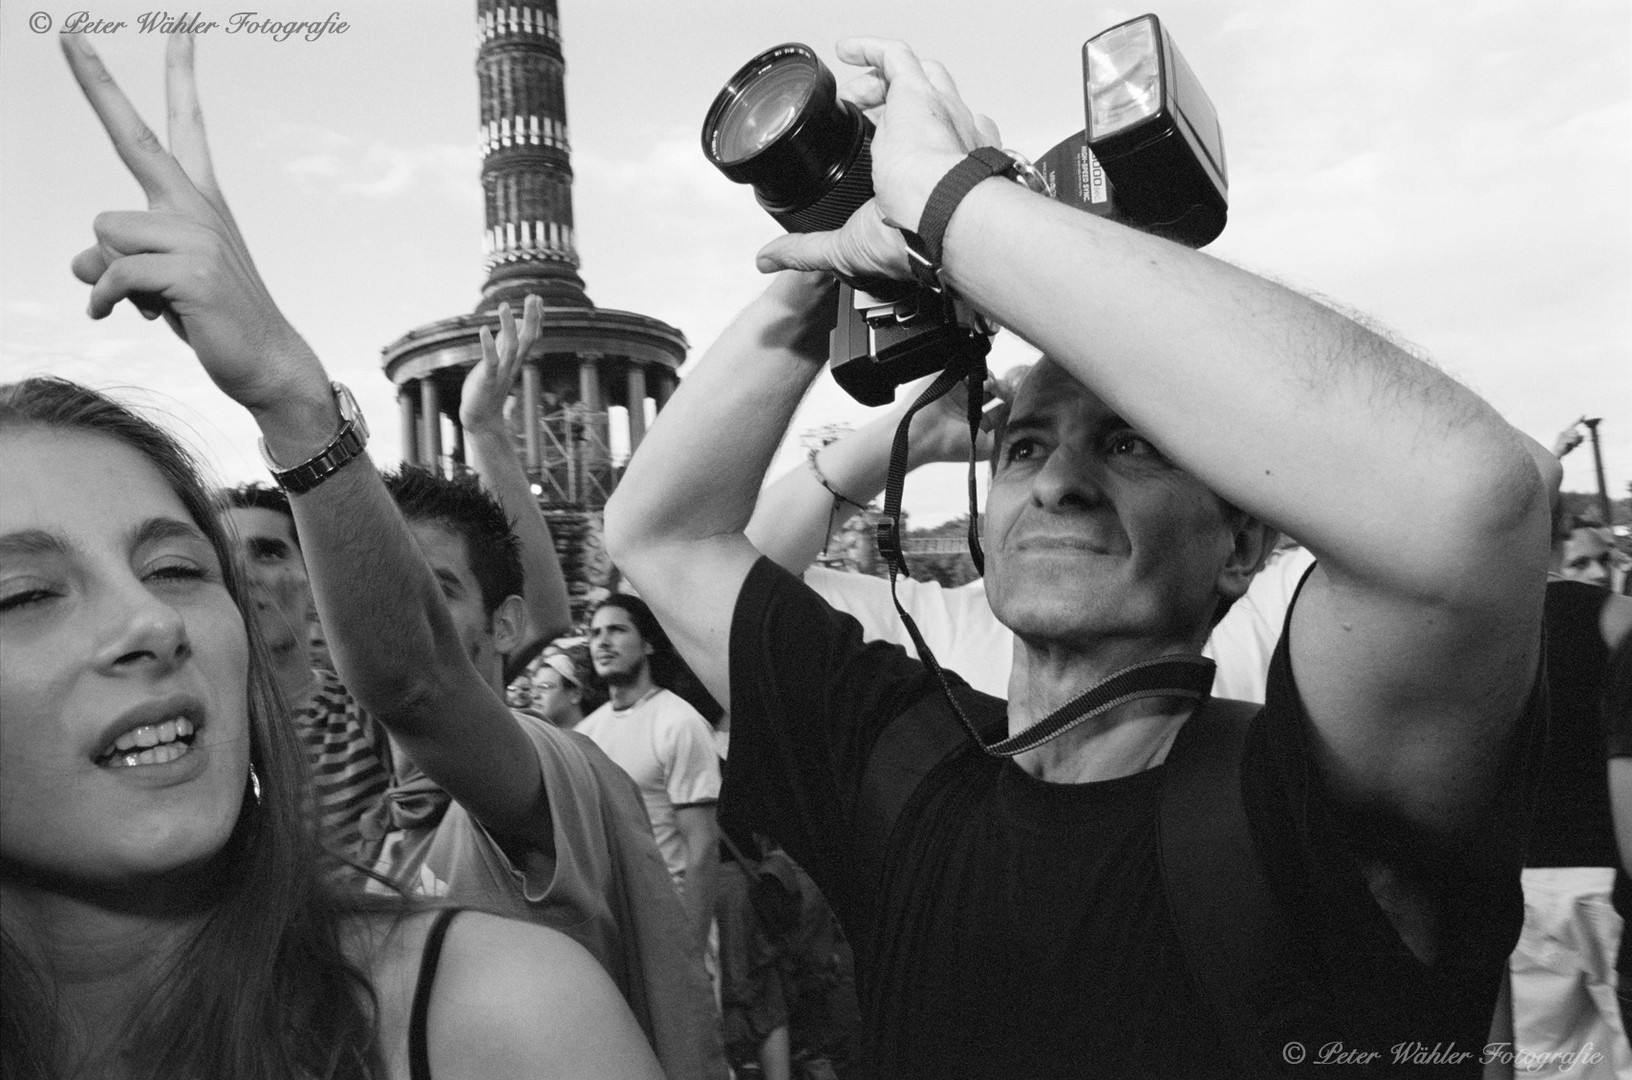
pixel 589 382
pixel 664 389
pixel 431 422
pixel 637 405
pixel 530 397
pixel 410 425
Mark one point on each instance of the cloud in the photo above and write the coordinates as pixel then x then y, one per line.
pixel 335 164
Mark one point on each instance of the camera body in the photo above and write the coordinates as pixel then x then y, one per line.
pixel 1151 156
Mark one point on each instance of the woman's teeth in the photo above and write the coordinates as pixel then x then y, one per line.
pixel 151 744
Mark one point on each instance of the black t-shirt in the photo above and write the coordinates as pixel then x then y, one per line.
pixel 1573 826
pixel 1018 928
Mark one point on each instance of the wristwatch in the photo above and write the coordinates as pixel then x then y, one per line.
pixel 347 444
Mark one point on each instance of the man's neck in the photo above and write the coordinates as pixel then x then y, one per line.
pixel 627 695
pixel 1120 742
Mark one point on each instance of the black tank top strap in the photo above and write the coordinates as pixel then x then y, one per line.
pixel 419 1058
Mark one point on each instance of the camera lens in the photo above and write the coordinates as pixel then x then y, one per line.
pixel 779 127
pixel 762 109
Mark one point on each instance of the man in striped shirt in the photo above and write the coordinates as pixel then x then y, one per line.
pixel 349 753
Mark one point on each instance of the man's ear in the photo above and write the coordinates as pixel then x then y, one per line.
pixel 1252 543
pixel 509 625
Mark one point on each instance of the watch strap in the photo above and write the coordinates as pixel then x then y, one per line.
pixel 924 245
pixel 347 444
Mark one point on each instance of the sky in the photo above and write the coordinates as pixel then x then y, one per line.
pixel 1460 172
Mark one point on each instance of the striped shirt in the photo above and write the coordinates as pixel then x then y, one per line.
pixel 351 769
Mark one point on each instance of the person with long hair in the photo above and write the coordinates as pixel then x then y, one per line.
pixel 163 908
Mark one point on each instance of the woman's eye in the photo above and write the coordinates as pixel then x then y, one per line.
pixel 178 572
pixel 24 597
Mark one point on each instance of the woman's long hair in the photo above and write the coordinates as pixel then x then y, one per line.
pixel 264 989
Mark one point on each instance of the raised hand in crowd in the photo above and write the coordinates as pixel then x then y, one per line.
pixel 491 453
pixel 1569 438
pixel 389 629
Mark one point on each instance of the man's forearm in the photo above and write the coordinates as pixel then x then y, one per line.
pixel 702 869
pixel 795 515
pixel 700 468
pixel 1290 410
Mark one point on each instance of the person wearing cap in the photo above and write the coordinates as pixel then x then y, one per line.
pixel 558 689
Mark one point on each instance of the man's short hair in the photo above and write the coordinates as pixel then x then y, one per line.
pixel 466 509
pixel 258 496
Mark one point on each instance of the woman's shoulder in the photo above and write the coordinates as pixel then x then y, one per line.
pixel 501 998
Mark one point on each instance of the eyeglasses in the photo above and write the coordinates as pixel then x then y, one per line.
pixel 546 687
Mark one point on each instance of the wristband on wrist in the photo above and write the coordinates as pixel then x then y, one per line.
pixel 924 245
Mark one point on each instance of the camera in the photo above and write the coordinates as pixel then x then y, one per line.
pixel 1151 155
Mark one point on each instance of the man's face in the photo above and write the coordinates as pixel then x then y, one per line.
pixel 619 651
pixel 449 558
pixel 1091 533
pixel 554 696
pixel 277 576
pixel 1585 557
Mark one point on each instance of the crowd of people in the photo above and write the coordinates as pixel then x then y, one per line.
pixel 1291 717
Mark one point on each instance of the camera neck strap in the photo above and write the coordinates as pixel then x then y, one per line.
pixel 1183 676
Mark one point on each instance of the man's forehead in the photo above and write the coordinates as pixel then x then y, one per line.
pixel 613 615
pixel 1049 389
pixel 443 548
pixel 1588 541
pixel 250 522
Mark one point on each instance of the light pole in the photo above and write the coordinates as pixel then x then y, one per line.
pixel 1598 464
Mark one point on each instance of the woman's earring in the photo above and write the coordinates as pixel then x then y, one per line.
pixel 254 784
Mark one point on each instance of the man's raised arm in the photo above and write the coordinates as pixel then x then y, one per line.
pixel 675 525
pixel 1415 644
pixel 492 457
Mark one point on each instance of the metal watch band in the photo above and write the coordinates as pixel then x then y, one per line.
pixel 348 443
pixel 924 246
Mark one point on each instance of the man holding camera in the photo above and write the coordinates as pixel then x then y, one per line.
pixel 1027 917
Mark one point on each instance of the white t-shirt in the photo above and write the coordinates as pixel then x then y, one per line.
pixel 959 627
pixel 668 748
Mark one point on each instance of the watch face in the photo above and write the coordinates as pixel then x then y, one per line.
pixel 349 410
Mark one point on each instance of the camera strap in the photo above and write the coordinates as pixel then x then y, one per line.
pixel 1186 675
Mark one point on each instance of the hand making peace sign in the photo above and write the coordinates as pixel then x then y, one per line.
pixel 183 257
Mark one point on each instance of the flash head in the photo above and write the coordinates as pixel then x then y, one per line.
pixel 1155 132
pixel 779 127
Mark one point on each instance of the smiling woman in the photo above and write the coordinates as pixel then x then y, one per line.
pixel 151 841
pixel 165 909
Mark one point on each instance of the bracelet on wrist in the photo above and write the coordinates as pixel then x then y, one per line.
pixel 821 478
pixel 839 497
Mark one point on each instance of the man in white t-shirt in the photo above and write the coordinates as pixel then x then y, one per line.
pixel 661 741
